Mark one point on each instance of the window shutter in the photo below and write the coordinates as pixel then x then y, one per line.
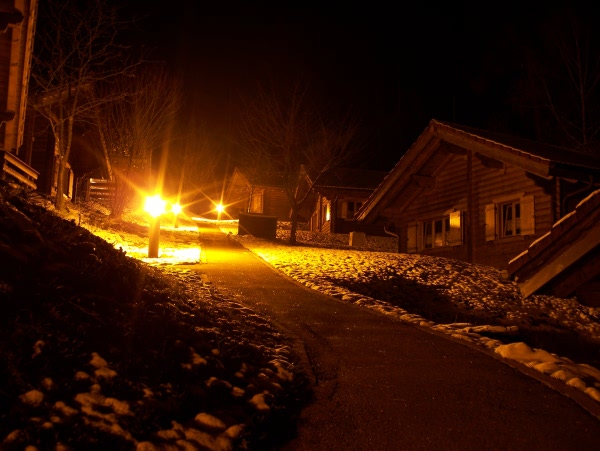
pixel 411 237
pixel 527 216
pixel 455 234
pixel 490 222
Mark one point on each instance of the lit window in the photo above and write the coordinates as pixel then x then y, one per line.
pixel 442 232
pixel 436 233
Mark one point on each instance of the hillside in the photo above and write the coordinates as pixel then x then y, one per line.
pixel 103 351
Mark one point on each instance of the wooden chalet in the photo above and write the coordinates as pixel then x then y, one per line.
pixel 17 28
pixel 478 196
pixel 335 198
pixel 264 194
pixel 565 261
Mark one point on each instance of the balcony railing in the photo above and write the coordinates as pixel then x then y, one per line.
pixel 18 169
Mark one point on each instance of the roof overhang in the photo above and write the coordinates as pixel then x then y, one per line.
pixel 437 133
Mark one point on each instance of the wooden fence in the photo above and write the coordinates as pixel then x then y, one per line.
pixel 99 190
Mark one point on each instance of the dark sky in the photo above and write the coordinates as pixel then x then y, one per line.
pixel 397 66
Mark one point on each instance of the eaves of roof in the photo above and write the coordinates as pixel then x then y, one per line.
pixel 271 180
pixel 547 159
pixel 541 159
pixel 348 178
pixel 416 155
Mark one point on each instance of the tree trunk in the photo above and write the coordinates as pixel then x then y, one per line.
pixel 109 172
pixel 293 226
pixel 60 184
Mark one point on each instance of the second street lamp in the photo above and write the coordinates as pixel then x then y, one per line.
pixel 220 209
pixel 176 209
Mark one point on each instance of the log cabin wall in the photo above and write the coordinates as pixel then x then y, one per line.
pixel 275 203
pixel 467 183
pixel 16 46
pixel 320 220
pixel 260 198
pixel 237 195
pixel 491 186
pixel 345 203
pixel 448 191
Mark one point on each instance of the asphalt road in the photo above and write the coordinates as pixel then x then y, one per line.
pixel 383 385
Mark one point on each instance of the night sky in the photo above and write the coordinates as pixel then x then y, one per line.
pixel 397 66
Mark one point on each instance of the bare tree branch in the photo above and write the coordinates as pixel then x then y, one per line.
pixel 283 132
pixel 571 86
pixel 136 124
pixel 76 46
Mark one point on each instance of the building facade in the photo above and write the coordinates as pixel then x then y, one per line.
pixel 476 196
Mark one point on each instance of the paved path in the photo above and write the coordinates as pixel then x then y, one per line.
pixel 383 385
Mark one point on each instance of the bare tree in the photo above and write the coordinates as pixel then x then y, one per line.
pixel 135 125
pixel 76 47
pixel 195 168
pixel 557 85
pixel 283 132
pixel 572 97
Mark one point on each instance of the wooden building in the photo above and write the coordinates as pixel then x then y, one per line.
pixel 336 197
pixel 17 29
pixel 264 194
pixel 478 196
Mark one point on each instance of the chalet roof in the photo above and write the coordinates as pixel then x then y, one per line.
pixel 570 239
pixel 555 155
pixel 540 159
pixel 351 178
pixel 269 179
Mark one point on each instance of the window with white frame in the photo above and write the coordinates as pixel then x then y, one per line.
pixel 509 217
pixel 440 232
pixel 435 233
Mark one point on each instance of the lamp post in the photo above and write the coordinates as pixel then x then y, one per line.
pixel 156 207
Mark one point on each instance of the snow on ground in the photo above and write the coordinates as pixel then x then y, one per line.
pixel 470 302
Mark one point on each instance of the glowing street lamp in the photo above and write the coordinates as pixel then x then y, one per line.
pixel 176 209
pixel 155 205
pixel 220 209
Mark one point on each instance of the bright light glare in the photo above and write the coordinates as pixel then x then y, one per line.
pixel 176 208
pixel 155 205
pixel 220 208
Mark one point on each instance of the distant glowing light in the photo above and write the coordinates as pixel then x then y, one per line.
pixel 155 205
pixel 176 208
pixel 220 208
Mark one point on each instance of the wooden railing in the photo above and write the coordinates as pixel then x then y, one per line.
pixel 18 169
